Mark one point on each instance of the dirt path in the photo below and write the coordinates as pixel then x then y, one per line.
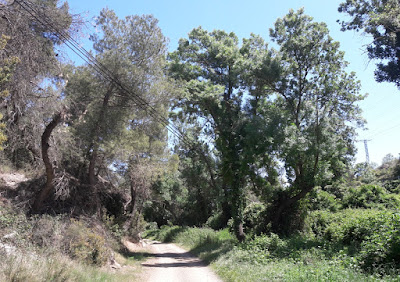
pixel 168 263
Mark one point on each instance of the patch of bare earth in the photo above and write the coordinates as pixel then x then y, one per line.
pixel 10 181
pixel 168 262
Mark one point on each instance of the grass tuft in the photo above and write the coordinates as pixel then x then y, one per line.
pixel 270 258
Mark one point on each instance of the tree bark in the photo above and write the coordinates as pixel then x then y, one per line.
pixel 49 186
pixel 95 150
pixel 96 136
pixel 133 199
pixel 283 205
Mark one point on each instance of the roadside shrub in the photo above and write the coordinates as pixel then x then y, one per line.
pixel 215 221
pixel 253 218
pixel 337 189
pixel 112 225
pixel 165 233
pixel 47 231
pixel 83 244
pixel 134 226
pixel 349 226
pixel 151 226
pixel 369 196
pixel 393 186
pixel 15 227
pixel 374 234
pixel 382 248
pixel 319 199
pixel 270 243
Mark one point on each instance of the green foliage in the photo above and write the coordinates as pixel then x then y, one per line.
pixel 216 221
pixel 31 87
pixel 392 186
pixel 373 234
pixel 14 221
pixel 202 193
pixel 382 248
pixel 365 173
pixel 7 67
pixel 270 257
pixel 208 64
pixel 168 201
pixel 85 245
pixel 379 19
pixel 113 225
pixel 254 218
pixel 315 144
pixel 109 128
pixel 371 196
pixel 320 199
pixel 348 226
pixel 262 248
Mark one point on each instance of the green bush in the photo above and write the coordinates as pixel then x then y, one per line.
pixel 113 225
pixel 84 244
pixel 319 199
pixel 262 248
pixel 370 196
pixel 393 186
pixel 374 234
pixel 215 221
pixel 253 217
pixel 350 226
pixel 382 248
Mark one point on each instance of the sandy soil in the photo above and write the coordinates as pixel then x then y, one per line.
pixel 169 262
pixel 12 179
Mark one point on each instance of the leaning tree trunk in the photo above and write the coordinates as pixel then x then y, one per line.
pixel 49 186
pixel 282 210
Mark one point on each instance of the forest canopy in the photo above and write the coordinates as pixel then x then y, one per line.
pixel 187 137
pixel 244 146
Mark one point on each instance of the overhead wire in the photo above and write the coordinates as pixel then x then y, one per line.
pixel 88 58
pixel 383 131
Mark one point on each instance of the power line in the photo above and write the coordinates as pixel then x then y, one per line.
pixel 87 57
pixel 382 132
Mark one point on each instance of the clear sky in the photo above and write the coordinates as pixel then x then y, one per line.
pixel 178 17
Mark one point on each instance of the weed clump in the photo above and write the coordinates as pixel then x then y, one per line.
pixel 85 245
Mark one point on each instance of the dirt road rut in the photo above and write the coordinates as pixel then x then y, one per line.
pixel 168 263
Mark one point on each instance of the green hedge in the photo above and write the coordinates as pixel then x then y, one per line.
pixel 374 233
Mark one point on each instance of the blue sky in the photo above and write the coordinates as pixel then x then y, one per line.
pixel 178 17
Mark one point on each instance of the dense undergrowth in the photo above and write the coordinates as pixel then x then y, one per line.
pixel 60 248
pixel 350 245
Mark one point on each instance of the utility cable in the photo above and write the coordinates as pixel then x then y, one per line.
pixel 87 57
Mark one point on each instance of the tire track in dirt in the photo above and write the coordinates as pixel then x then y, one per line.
pixel 169 262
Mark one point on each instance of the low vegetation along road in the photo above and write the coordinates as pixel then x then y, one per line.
pixel 168 262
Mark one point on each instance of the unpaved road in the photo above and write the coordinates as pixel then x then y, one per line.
pixel 168 263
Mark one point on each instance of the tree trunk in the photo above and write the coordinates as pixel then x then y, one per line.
pixel 92 166
pixel 281 211
pixel 49 186
pixel 95 149
pixel 96 136
pixel 226 208
pixel 133 199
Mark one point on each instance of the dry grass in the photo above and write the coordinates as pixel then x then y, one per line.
pixel 35 268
